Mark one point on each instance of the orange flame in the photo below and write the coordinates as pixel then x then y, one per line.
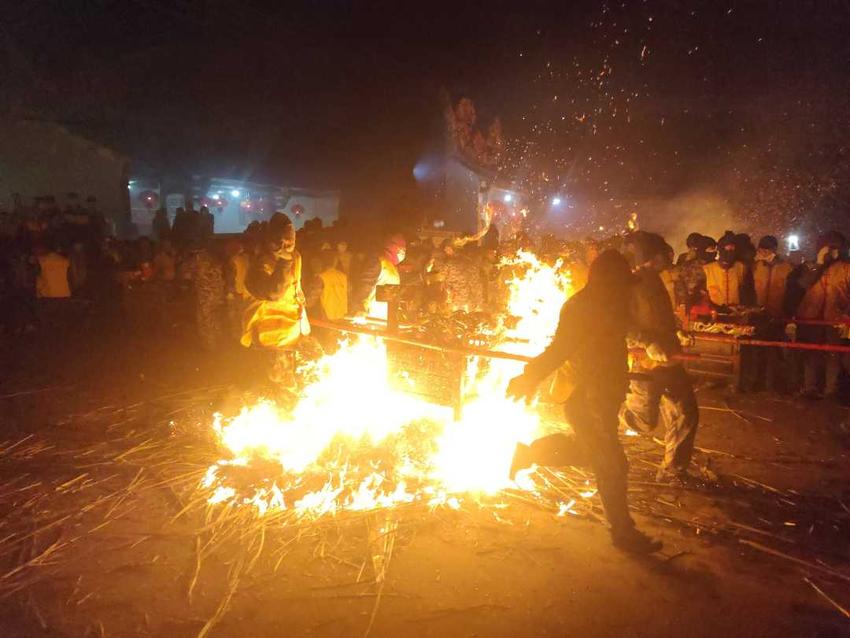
pixel 354 442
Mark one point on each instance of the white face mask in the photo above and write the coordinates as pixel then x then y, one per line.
pixel 764 254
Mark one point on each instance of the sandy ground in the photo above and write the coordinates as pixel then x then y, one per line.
pixel 783 466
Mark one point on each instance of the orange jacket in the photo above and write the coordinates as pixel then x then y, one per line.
pixel 334 295
pixel 725 285
pixel 770 280
pixel 829 297
pixel 52 282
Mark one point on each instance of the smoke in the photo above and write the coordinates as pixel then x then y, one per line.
pixel 698 211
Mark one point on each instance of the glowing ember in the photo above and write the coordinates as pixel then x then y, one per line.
pixel 353 442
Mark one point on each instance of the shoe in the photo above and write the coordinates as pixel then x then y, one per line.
pixel 679 478
pixel 635 542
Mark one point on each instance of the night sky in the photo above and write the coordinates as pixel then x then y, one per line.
pixel 748 101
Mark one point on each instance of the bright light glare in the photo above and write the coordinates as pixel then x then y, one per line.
pixel 793 242
pixel 235 192
pixel 508 198
pixel 556 201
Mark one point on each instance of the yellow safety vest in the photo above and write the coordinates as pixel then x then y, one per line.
pixel 277 323
pixel 334 297
pixel 52 281
pixel 724 284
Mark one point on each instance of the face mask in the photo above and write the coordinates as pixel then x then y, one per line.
pixel 766 255
pixel 727 258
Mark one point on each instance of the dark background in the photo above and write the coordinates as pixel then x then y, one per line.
pixel 746 101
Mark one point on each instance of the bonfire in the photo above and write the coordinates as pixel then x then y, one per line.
pixel 355 441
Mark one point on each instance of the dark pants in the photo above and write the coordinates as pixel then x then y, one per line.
pixel 764 368
pixel 669 393
pixel 819 365
pixel 594 420
pixel 19 311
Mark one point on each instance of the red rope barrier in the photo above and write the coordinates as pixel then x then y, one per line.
pixel 788 345
pixel 496 354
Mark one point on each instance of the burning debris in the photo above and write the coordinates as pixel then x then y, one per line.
pixel 357 441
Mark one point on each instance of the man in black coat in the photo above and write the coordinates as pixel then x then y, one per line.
pixel 589 351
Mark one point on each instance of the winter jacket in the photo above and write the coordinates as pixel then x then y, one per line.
pixel 829 296
pixel 380 271
pixel 331 292
pixel 52 281
pixel 690 283
pixel 729 287
pixel 275 318
pixel 592 340
pixel 770 280
pixel 651 318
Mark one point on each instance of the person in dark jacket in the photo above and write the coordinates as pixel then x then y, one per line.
pixel 691 282
pixel 693 245
pixel 589 346
pixel 666 390
pixel 380 270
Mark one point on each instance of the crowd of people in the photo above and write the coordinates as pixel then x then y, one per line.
pixel 64 265
pixel 260 290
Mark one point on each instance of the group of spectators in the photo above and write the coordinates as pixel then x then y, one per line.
pixel 734 280
pixel 65 265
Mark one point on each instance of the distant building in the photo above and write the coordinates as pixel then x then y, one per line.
pixel 234 203
pixel 42 160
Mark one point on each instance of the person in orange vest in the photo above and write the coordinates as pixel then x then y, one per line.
pixel 276 318
pixel 770 275
pixel 327 297
pixel 52 286
pixel 763 367
pixel 728 280
pixel 52 281
pixel 827 298
pixel 328 294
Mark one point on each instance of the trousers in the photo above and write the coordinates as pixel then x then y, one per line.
pixel 594 419
pixel 667 393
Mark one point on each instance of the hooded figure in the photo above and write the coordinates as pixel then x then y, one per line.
pixel 827 297
pixel 706 250
pixel 762 368
pixel 690 284
pixel 828 287
pixel 770 276
pixel 589 348
pixel 727 250
pixel 275 318
pixel 746 252
pixel 692 243
pixel 728 280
